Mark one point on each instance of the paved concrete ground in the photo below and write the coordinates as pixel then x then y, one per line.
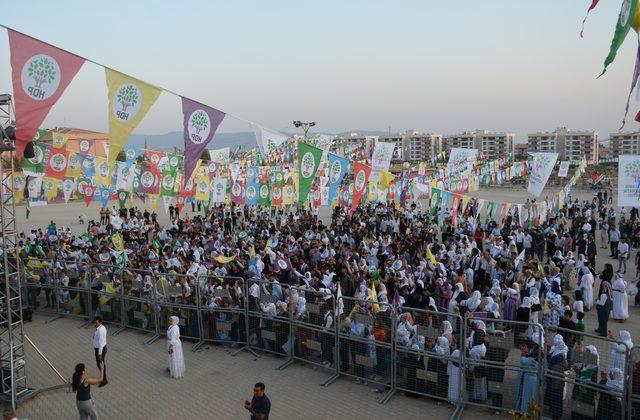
pixel 215 386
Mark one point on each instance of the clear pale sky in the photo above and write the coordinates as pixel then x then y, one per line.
pixel 437 66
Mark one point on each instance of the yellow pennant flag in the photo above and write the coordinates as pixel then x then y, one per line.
pixel 223 260
pixel 430 256
pixel 152 200
pixel 102 172
pixel 109 292
pixel 118 243
pixel 19 182
pixel 50 188
pixel 202 188
pixel 373 296
pixel 129 101
pixel 58 140
pixel 74 165
pixel 384 178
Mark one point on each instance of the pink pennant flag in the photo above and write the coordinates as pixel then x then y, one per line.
pixel 360 179
pixel 40 73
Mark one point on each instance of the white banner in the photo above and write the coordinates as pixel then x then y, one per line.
pixel 629 180
pixel 381 157
pixel 461 159
pixel 219 190
pixel 563 171
pixel 268 140
pixel 219 155
pixel 166 202
pixel 541 167
pixel 124 176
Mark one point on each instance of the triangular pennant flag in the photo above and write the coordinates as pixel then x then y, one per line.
pixel 308 163
pixel 129 101
pixel 200 123
pixel 40 73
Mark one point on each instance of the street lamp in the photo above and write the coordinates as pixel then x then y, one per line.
pixel 306 125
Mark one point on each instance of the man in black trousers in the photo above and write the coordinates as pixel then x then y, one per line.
pixel 100 346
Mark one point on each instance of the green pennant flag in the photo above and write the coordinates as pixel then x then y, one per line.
pixel 37 163
pixel 308 163
pixel 122 198
pixel 167 182
pixel 490 208
pixel 174 162
pixel 156 244
pixel 623 24
pixel 264 195
pixel 436 196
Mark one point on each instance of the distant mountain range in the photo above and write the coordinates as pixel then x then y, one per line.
pixel 246 139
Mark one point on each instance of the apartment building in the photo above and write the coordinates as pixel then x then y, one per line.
pixel 624 144
pixel 492 145
pixel 569 144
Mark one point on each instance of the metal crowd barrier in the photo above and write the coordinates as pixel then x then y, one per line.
pixel 395 349
pixel 222 302
pixel 139 301
pixel 425 364
pixel 509 375
pixel 176 296
pixel 366 337
pixel 633 387
pixel 313 328
pixel 268 319
pixel 578 387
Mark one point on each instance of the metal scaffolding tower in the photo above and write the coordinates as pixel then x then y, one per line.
pixel 12 353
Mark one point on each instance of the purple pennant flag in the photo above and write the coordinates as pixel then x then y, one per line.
pixel 200 124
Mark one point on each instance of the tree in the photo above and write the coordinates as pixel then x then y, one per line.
pixel 199 121
pixel 41 70
pixel 127 96
pixel 205 156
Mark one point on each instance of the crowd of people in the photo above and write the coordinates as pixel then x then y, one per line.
pixel 435 270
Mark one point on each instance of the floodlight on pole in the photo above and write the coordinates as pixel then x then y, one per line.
pixel 306 125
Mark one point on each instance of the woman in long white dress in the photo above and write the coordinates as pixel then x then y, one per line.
pixel 174 347
pixel 620 300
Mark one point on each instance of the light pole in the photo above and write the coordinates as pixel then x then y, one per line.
pixel 306 125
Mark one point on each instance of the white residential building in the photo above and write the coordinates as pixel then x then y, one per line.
pixel 624 144
pixel 492 145
pixel 569 144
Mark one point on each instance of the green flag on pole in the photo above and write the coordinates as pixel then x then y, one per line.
pixel 623 24
pixel 308 163
pixel 436 196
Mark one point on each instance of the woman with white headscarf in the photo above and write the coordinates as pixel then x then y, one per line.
pixel 586 380
pixel 511 302
pixel 586 286
pixel 527 379
pixel 556 365
pixel 474 301
pixel 620 300
pixel 609 403
pixel 453 370
pixel 174 347
pixel 478 352
pixel 618 357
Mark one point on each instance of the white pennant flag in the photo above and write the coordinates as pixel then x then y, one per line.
pixel 234 170
pixel 68 185
pixel 268 140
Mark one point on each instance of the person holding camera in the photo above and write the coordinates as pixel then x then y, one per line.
pixel 82 387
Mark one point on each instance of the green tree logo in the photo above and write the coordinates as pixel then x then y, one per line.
pixel 264 191
pixel 127 96
pixel 336 168
pixel 307 165
pixel 58 162
pixel 359 185
pixel 41 70
pixel 632 168
pixel 199 121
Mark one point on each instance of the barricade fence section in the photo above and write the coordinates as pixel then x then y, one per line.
pixel 503 367
pixel 588 378
pixel 269 318
pixel 366 342
pixel 473 360
pixel 223 316
pixel 633 386
pixel 428 357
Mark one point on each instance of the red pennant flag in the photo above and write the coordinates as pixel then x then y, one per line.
pixel 180 200
pixel 88 192
pixel 57 163
pixel 237 192
pixel 594 3
pixel 360 179
pixel 40 73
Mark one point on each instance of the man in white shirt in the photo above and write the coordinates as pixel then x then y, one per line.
pixel 100 346
pixel 623 255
